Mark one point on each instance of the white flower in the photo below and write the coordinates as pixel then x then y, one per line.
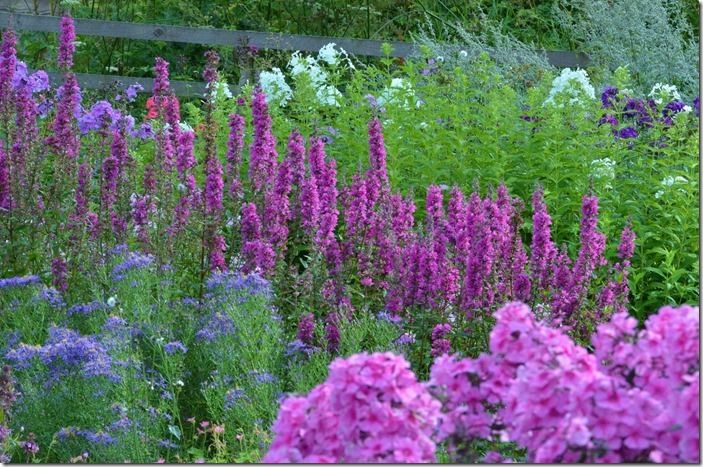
pixel 669 181
pixel 185 127
pixel 221 89
pixel 111 302
pixel 423 125
pixel 573 84
pixel 298 64
pixel 181 187
pixel 440 59
pixel 661 92
pixel 399 89
pixel 328 54
pixel 686 109
pixel 179 383
pixel 318 76
pixel 328 95
pixel 603 168
pixel 275 87
pixel 463 54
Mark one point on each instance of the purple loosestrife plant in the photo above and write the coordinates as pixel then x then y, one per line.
pixel 67 45
pixel 235 145
pixel 263 158
pixel 306 328
pixel 543 249
pixel 217 254
pixel 8 64
pixel 5 192
pixel 59 274
pixel 213 187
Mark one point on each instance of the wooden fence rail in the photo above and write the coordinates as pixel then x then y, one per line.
pixel 212 36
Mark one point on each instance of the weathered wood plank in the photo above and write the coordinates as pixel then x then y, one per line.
pixel 208 36
pixel 212 36
pixel 95 81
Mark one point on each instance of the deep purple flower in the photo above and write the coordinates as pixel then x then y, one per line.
pixel 627 132
pixel 608 97
pixel 697 106
pixel 673 107
pixel 213 187
pixel 608 118
pixel 30 446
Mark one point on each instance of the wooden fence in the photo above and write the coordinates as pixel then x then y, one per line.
pixel 212 36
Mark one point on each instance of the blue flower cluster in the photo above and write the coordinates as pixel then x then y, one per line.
pixel 218 324
pixel 66 352
pixel 132 261
pixel 20 281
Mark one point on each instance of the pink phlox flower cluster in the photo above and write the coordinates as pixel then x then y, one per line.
pixel 635 399
pixel 370 409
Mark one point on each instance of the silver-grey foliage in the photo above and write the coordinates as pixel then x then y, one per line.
pixel 650 37
pixel 521 64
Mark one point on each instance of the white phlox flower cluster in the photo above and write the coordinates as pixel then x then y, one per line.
pixel 308 65
pixel 668 182
pixel 399 93
pixel 274 85
pixel 221 89
pixel 603 168
pixel 661 93
pixel 573 84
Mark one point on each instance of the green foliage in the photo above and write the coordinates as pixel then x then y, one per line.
pixel 651 37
